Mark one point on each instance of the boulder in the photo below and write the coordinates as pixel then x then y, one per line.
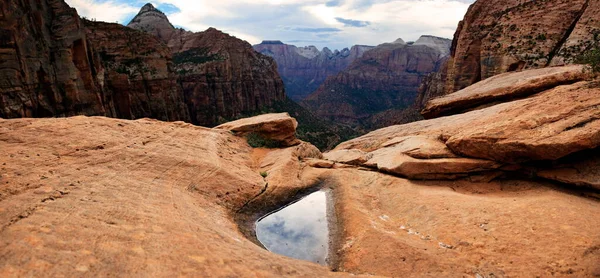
pixel 276 129
pixel 352 157
pixel 503 87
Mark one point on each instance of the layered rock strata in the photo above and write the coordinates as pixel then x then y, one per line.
pixel 304 69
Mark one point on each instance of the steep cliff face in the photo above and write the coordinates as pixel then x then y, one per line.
pixel 137 74
pixel 304 69
pixel 45 68
pixel 221 76
pixel 510 35
pixel 386 77
pixel 53 66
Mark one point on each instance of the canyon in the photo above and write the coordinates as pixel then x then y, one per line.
pixel 304 69
pixel 105 172
pixel 385 80
pixel 56 64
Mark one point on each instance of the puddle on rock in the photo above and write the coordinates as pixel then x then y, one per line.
pixel 299 230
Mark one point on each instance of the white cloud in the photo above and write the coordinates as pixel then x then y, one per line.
pixel 109 11
pixel 256 20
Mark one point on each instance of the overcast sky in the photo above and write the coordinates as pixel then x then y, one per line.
pixel 333 23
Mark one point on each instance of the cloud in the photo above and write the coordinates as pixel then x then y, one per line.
pixel 352 23
pixel 315 30
pixel 109 11
pixel 299 21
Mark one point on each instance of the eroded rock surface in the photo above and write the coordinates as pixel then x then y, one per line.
pixel 304 69
pixel 385 78
pixel 280 128
pixel 103 196
pixel 503 87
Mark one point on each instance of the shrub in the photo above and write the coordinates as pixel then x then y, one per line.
pixel 264 174
pixel 256 140
pixel 590 58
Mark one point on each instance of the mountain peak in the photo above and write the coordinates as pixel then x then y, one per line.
pixel 148 7
pixel 153 21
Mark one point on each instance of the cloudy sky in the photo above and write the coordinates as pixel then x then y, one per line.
pixel 332 23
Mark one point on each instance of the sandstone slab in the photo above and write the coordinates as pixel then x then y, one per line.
pixel 280 128
pixel 503 87
pixel 547 126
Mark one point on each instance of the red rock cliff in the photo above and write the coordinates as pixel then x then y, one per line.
pixel 304 69
pixel 498 36
pixel 222 77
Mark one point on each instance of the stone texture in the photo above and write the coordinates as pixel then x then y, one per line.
pixel 221 76
pixel 582 169
pixel 503 87
pixel 386 77
pixel 511 35
pixel 104 197
pixel 280 128
pixel 304 69
pixel 44 65
pixel 137 73
pixel 352 157
pixel 547 126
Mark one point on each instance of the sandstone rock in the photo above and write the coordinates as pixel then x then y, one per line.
pixel 304 69
pixel 280 128
pixel 497 37
pixel 393 160
pixel 547 126
pixel 138 75
pixel 320 163
pixel 581 170
pixel 170 193
pixel 159 197
pixel 352 157
pixel 386 77
pixel 221 76
pixel 503 87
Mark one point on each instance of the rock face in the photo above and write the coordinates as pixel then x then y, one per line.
pixel 280 128
pixel 386 77
pixel 548 126
pixel 510 35
pixel 137 73
pixel 103 196
pixel 44 64
pixel 503 87
pixel 221 76
pixel 54 64
pixel 304 69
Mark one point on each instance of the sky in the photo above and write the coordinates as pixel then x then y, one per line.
pixel 324 23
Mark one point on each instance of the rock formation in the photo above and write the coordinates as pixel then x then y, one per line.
pixel 55 64
pixel 510 35
pixel 304 69
pixel 221 76
pixel 104 196
pixel 384 78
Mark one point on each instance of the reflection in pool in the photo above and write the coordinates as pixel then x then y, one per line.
pixel 299 230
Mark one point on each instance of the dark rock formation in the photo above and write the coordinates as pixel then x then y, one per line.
pixel 221 76
pixel 384 78
pixel 304 69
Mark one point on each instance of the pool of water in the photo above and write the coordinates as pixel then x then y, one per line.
pixel 299 230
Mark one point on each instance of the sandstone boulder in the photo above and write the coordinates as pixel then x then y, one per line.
pixel 547 126
pixel 280 128
pixel 502 88
pixel 352 157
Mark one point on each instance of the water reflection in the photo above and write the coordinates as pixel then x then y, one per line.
pixel 299 230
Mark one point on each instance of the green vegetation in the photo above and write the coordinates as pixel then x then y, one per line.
pixel 264 174
pixel 196 56
pixel 256 140
pixel 591 58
